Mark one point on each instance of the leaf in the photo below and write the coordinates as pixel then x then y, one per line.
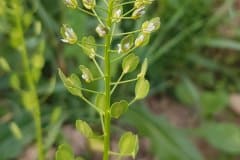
pixel 101 102
pixel 141 88
pixel 84 128
pixel 130 63
pixel 213 102
pixel 64 152
pixel 118 108
pixel 167 142
pixel 128 144
pixel 223 136
pixel 187 92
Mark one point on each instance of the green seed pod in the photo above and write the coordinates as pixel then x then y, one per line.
pixel 139 3
pixel 141 88
pixel 68 34
pixel 143 69
pixel 142 39
pixel 84 128
pixel 89 46
pixel 137 13
pixel 130 63
pixel 126 44
pixel 72 83
pixel 89 4
pixel 101 30
pixel 71 3
pixel 117 13
pixel 118 108
pixel 86 74
pixel 128 144
pixel 151 26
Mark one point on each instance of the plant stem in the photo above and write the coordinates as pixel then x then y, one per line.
pixel 107 118
pixel 31 86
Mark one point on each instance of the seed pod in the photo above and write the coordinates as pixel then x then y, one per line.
pixel 130 63
pixel 117 13
pixel 71 3
pixel 137 13
pixel 101 30
pixel 151 26
pixel 126 44
pixel 89 4
pixel 142 39
pixel 86 74
pixel 89 46
pixel 68 34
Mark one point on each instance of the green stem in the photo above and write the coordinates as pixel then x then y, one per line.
pixel 98 67
pixel 126 33
pixel 107 117
pixel 31 85
pixel 122 82
pixel 116 84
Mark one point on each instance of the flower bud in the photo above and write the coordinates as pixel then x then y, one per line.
pixel 68 34
pixel 142 39
pixel 89 4
pixel 71 3
pixel 138 12
pixel 151 26
pixel 101 30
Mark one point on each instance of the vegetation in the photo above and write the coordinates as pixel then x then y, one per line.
pixel 193 59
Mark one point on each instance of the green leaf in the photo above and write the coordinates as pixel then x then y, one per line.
pixel 126 44
pixel 141 88
pixel 86 74
pixel 72 83
pixel 130 63
pixel 128 144
pixel 118 108
pixel 64 152
pixel 187 92
pixel 213 102
pixel 84 128
pixel 101 102
pixel 223 136
pixel 143 69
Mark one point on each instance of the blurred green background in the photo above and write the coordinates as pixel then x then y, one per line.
pixel 192 112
